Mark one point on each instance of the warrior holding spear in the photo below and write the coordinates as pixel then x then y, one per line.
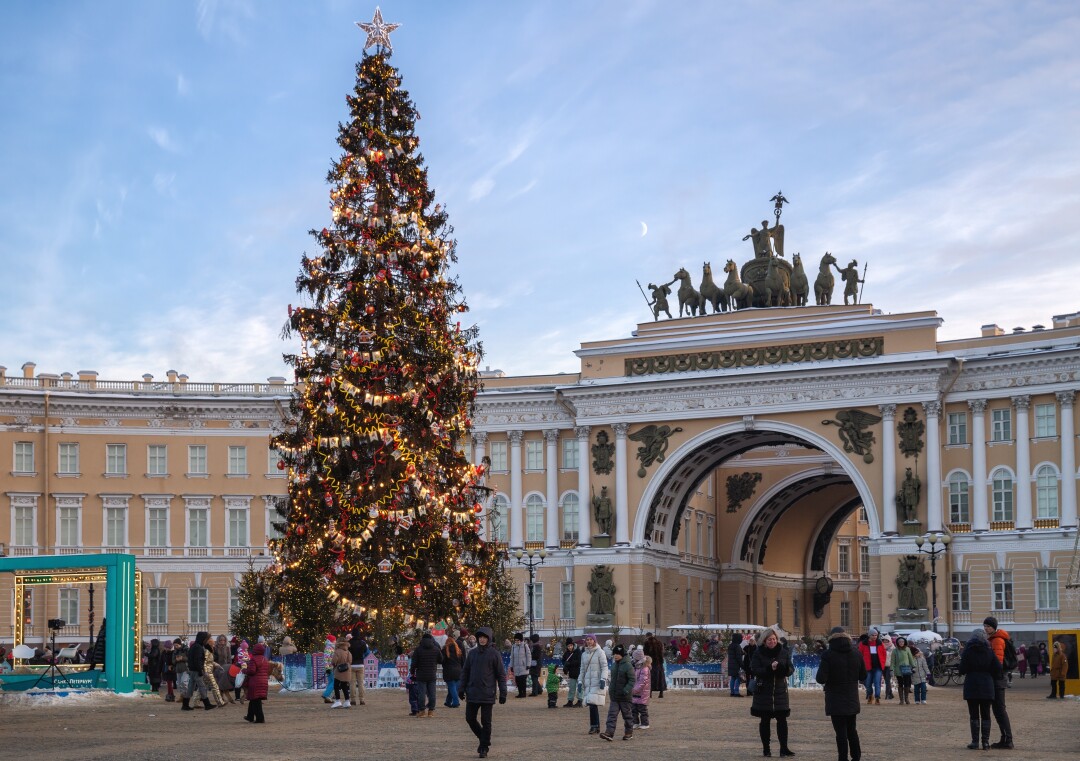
pixel 659 299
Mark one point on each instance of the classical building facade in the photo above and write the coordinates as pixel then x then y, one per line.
pixel 761 466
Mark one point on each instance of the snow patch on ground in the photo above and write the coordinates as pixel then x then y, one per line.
pixel 30 699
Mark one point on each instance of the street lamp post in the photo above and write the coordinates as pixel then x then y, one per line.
pixel 931 541
pixel 535 558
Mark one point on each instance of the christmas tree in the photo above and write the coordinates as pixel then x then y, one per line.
pixel 256 609
pixel 382 518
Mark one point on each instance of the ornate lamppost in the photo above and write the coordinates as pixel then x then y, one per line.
pixel 535 558
pixel 928 545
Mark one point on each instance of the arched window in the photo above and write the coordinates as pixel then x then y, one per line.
pixel 534 518
pixel 959 494
pixel 1001 482
pixel 570 509
pixel 1046 490
pixel 498 517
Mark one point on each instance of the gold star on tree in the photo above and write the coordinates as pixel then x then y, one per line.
pixel 378 32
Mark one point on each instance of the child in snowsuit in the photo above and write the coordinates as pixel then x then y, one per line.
pixel 639 710
pixel 554 681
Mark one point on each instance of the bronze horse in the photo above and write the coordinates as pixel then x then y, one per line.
pixel 688 298
pixel 711 293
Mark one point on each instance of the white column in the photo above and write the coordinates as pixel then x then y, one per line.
pixel 517 524
pixel 551 535
pixel 888 468
pixel 933 466
pixel 584 498
pixel 479 453
pixel 1068 459
pixel 980 514
pixel 1023 462
pixel 622 504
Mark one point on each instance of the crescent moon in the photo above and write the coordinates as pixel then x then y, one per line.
pixel 644 229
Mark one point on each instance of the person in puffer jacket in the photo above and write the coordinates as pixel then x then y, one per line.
pixel 257 683
pixel 639 711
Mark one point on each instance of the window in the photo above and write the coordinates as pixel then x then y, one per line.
pixel 67 462
pixel 498 455
pixel 498 515
pixel 157 607
pixel 273 460
pixel 712 538
pixel 1002 425
pixel 689 609
pixel 566 606
pixel 534 455
pixel 24 457
pixel 1002 484
pixel 570 513
pixel 115 526
pixel 196 458
pixel 779 612
pixel 198 606
pixel 198 527
pixel 686 539
pixel 25 535
pixel 534 518
pixel 864 559
pixel 1003 590
pixel 67 530
pixel 69 606
pixel 570 454
pixel 961 591
pixel 238 461
pixel 1045 421
pixel 862 515
pixel 156 464
pixel 845 614
pixel 1046 492
pixel 844 558
pixel 238 527
pixel 116 459
pixel 275 513
pixel 1046 587
pixel 157 527
pixel 958 428
pixel 234 602
pixel 537 601
pixel 866 616
pixel 959 496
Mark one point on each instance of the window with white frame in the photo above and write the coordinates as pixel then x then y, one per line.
pixel 1002 491
pixel 711 533
pixel 867 616
pixel 234 601
pixel 498 517
pixel 67 528
pixel 844 558
pixel 537 601
pixel 498 455
pixel 1002 584
pixel 961 591
pixel 1001 422
pixel 197 460
pixel 24 457
pixel 864 559
pixel 534 518
pixel 570 514
pixel 115 526
pixel 156 460
pixel 534 455
pixel 779 612
pixel 67 461
pixel 686 541
pixel 198 527
pixel 273 460
pixel 1046 492
pixel 238 461
pixel 238 526
pixel 25 534
pixel 274 508
pixel 1046 587
pixel 959 497
pixel 570 454
pixel 157 527
pixel 845 614
pixel 69 605
pixel 566 600
pixel 700 539
pixel 957 422
pixel 198 606
pixel 157 606
pixel 863 518
pixel 116 459
pixel 1045 421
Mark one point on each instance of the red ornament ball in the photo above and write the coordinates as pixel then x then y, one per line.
pixel 370 309
pixel 280 465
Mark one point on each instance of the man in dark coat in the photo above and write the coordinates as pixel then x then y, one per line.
pixel 734 663
pixel 536 658
pixel 196 672
pixel 425 662
pixel 571 659
pixel 842 671
pixel 482 676
pixel 358 649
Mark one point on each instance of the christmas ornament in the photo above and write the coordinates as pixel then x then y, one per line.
pixel 378 32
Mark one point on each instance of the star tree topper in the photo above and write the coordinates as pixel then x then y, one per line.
pixel 378 33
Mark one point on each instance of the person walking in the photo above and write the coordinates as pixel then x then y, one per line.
pixel 1042 659
pixel 887 672
pixel 640 708
pixel 257 682
pixel 654 648
pixel 841 672
pixel 874 658
pixel 902 662
pixel 621 692
pixel 519 663
pixel 536 659
pixel 920 676
pixel 594 677
pixel 481 677
pixel 453 659
pixel 425 663
pixel 571 659
pixel 1059 669
pixel 196 665
pixel 1021 660
pixel 772 666
pixel 999 643
pixel 329 646
pixel 358 649
pixel 749 648
pixel 982 673
pixel 153 666
pixel 340 663
pixel 168 670
pixel 734 663
pixel 242 657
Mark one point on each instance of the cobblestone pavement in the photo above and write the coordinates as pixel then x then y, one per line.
pixel 685 726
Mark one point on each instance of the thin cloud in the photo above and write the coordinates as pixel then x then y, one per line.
pixel 183 87
pixel 162 139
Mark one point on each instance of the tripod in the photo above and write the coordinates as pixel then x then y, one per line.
pixel 53 670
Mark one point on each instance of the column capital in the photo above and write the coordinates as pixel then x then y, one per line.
pixel 480 437
pixel 978 406
pixel 932 408
pixel 582 431
pixel 1022 402
pixel 621 430
pixel 888 411
pixel 515 437
pixel 1065 398
pixel 551 435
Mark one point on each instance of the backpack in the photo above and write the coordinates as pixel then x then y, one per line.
pixel 1008 660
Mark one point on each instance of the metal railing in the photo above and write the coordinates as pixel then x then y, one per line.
pixel 153 387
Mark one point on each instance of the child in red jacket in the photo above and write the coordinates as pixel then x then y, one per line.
pixel 258 676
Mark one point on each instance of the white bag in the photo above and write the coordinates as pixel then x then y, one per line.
pixel 596 699
pixel 239 681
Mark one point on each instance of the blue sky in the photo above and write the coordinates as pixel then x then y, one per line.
pixel 161 162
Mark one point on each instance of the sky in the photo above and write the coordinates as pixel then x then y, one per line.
pixel 162 162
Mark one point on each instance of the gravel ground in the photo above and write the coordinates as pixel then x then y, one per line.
pixel 685 726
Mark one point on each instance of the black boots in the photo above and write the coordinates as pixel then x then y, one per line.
pixel 986 735
pixel 763 730
pixel 186 705
pixel 207 705
pixel 782 736
pixel 974 744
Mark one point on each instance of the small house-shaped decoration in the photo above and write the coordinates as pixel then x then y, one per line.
pixel 385 566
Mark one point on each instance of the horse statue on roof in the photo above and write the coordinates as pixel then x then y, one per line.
pixel 689 298
pixel 740 295
pixel 711 293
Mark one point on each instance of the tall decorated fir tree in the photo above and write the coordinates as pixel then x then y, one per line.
pixel 382 518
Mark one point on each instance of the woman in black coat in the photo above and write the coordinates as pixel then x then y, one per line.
pixel 980 668
pixel 771 666
pixel 453 658
pixel 842 671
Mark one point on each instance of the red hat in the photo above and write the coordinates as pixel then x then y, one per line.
pixel 331 638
